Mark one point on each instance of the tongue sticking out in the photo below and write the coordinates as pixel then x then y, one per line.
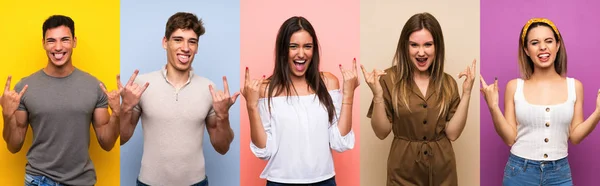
pixel 299 66
pixel 183 58
pixel 58 56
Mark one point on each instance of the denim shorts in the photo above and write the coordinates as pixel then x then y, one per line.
pixel 328 182
pixel 31 180
pixel 523 172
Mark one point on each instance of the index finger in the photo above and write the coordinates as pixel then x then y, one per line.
pixel 225 85
pixel 354 65
pixel 363 71
pixel 247 76
pixel 7 88
pixel 132 78
pixel 483 83
pixel 119 84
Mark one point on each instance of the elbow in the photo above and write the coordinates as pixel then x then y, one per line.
pixel 14 150
pixel 221 148
pixel 380 136
pixel 510 143
pixel 452 138
pixel 575 141
pixel 107 147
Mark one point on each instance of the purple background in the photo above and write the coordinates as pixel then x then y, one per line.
pixel 579 23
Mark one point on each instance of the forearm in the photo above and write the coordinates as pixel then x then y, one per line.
pixel 223 134
pixel 109 132
pixel 457 124
pixel 14 135
pixel 257 131
pixel 126 125
pixel 507 132
pixel 582 130
pixel 345 120
pixel 379 120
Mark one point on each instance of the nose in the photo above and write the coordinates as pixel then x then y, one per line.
pixel 58 46
pixel 301 53
pixel 421 51
pixel 185 47
pixel 543 46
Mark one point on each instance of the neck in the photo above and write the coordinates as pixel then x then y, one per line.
pixel 544 74
pixel 59 71
pixel 177 77
pixel 299 82
pixel 421 75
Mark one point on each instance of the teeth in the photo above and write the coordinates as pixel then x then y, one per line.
pixel 300 61
pixel 184 56
pixel 544 55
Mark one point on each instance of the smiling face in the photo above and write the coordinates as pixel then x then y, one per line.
pixel 300 52
pixel 181 48
pixel 421 49
pixel 542 46
pixel 59 43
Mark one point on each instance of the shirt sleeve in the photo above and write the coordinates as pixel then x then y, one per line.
pixel 102 101
pixel 338 142
pixel 18 87
pixel 455 98
pixel 266 119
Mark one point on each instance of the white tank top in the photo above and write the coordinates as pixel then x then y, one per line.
pixel 543 130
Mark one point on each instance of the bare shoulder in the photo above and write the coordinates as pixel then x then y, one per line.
pixel 331 81
pixel 511 86
pixel 262 91
pixel 578 86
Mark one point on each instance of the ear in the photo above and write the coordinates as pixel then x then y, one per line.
pixel 164 42
pixel 74 42
pixel 557 46
pixel 526 52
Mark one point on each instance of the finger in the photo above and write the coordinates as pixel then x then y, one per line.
pixel 483 84
pixel 354 65
pixel 103 89
pixel 247 77
pixel 145 87
pixel 212 92
pixel 119 84
pixel 225 85
pixel 341 69
pixel 463 73
pixel 235 96
pixel 7 87
pixel 364 72
pixel 496 83
pixel 23 91
pixel 474 68
pixel 132 78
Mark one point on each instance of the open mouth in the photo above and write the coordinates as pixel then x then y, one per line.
pixel 300 65
pixel 543 57
pixel 421 61
pixel 59 56
pixel 183 58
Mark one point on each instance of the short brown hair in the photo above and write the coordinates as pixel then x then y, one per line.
pixel 184 20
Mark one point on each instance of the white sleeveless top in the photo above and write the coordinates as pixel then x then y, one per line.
pixel 543 130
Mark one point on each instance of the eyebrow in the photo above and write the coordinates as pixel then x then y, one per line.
pixel 51 38
pixel 181 37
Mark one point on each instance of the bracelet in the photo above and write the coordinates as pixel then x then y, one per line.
pixel 347 103
pixel 376 102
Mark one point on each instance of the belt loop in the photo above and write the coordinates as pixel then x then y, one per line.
pixel 525 165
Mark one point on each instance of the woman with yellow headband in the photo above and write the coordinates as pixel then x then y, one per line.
pixel 542 110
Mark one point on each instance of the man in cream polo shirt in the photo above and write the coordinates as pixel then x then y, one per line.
pixel 174 108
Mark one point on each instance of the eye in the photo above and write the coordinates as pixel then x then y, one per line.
pixel 193 42
pixel 428 44
pixel 308 46
pixel 177 39
pixel 414 45
pixel 293 47
pixel 534 43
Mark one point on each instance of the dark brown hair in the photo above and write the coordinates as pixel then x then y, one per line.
pixel 184 20
pixel 281 80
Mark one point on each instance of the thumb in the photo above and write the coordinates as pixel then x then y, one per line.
pixel 234 97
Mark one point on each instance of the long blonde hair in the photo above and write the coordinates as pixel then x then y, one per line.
pixel 404 68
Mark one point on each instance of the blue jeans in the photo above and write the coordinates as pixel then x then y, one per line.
pixel 328 182
pixel 201 183
pixel 31 180
pixel 523 172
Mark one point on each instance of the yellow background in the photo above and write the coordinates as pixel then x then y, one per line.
pixel 21 54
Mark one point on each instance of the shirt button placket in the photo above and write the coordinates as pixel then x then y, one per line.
pixel 547 133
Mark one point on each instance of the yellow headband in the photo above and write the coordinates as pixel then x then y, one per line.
pixel 538 20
